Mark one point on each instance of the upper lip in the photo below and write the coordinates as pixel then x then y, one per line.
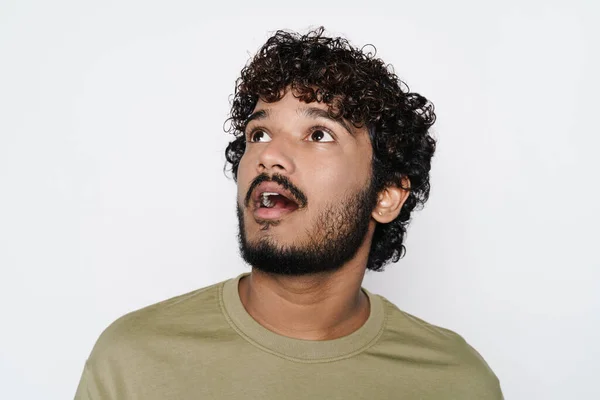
pixel 271 187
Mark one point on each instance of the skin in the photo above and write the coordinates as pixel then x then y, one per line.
pixel 325 159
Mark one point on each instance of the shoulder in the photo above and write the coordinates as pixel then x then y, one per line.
pixel 418 341
pixel 173 316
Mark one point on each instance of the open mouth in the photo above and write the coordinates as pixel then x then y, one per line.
pixel 271 201
pixel 274 200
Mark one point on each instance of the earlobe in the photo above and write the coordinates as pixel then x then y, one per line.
pixel 391 200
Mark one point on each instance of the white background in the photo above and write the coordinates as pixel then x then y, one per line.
pixel 113 197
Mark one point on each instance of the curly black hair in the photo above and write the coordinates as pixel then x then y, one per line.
pixel 359 88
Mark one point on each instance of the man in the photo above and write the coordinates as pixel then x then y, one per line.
pixel 331 154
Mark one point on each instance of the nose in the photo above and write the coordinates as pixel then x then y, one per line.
pixel 276 156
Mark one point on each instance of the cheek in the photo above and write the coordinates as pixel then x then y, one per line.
pixel 245 166
pixel 338 174
pixel 327 182
pixel 243 163
pixel 243 179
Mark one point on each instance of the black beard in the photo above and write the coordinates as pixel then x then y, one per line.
pixel 333 239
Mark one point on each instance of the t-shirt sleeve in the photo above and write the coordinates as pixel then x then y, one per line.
pixel 486 383
pixel 86 388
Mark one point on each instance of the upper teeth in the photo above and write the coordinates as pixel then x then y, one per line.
pixel 265 201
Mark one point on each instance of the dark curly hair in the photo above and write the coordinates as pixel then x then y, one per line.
pixel 359 88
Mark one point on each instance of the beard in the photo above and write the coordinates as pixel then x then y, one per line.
pixel 332 239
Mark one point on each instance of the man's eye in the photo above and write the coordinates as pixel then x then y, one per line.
pixel 259 136
pixel 320 135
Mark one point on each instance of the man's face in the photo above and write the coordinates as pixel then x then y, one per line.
pixel 304 188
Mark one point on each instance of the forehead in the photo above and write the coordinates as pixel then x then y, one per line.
pixel 289 107
pixel 288 102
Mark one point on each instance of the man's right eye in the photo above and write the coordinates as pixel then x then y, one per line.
pixel 258 136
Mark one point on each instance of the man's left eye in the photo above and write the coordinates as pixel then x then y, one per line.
pixel 319 135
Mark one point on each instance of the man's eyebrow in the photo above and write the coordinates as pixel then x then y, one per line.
pixel 310 112
pixel 315 112
pixel 257 115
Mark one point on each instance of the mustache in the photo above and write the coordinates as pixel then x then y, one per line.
pixel 298 196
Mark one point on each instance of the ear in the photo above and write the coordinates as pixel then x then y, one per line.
pixel 390 202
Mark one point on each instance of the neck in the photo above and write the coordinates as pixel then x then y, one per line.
pixel 315 307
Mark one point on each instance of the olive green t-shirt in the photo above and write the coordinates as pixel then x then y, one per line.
pixel 204 345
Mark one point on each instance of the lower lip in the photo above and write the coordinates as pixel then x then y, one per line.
pixel 271 213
